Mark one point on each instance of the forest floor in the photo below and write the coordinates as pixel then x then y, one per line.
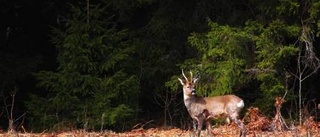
pixel 256 123
pixel 221 131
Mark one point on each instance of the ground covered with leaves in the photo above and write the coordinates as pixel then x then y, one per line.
pixel 257 125
pixel 221 131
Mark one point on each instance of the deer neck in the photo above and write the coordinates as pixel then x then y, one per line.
pixel 188 100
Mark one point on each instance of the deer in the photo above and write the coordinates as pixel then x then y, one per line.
pixel 203 109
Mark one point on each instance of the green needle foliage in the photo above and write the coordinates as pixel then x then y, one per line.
pixel 222 55
pixel 91 87
pixel 256 56
pixel 232 57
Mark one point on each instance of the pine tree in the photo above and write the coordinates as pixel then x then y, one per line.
pixel 91 86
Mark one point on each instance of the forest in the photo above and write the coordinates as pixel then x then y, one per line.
pixel 114 65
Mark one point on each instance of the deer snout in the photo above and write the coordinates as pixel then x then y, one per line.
pixel 193 92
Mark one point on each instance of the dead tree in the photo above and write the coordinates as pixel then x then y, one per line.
pixel 307 62
pixel 278 120
pixel 9 110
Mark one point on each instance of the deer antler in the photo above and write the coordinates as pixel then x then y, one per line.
pixel 191 75
pixel 195 79
pixel 184 76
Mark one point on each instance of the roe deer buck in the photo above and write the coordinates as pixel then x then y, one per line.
pixel 201 109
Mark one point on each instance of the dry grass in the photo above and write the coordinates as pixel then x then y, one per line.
pixel 221 131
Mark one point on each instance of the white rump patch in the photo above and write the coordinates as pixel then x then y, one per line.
pixel 240 104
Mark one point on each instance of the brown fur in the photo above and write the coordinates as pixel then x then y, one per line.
pixel 201 109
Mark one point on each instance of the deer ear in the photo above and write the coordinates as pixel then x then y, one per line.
pixel 194 80
pixel 181 81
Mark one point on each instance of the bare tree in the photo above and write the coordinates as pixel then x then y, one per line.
pixel 307 62
pixel 9 110
pixel 167 101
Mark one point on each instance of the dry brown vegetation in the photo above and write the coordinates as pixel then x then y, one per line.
pixel 257 125
pixel 221 131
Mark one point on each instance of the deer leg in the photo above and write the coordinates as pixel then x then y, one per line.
pixel 200 123
pixel 240 125
pixel 208 126
pixel 194 122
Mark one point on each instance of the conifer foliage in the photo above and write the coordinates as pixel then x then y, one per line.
pixel 91 88
pixel 232 57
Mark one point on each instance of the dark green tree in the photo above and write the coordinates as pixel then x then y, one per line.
pixel 231 57
pixel 92 86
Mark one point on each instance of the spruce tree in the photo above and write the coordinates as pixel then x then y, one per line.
pixel 234 57
pixel 91 87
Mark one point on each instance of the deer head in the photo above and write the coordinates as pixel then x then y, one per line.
pixel 188 85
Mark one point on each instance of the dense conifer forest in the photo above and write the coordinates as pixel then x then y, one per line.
pixel 114 65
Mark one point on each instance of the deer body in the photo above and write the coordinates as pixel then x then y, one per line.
pixel 201 109
pixel 218 106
